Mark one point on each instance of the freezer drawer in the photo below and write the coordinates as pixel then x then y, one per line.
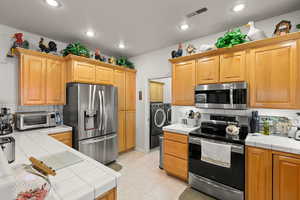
pixel 103 149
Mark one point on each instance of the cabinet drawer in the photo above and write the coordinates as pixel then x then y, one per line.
pixel 176 137
pixel 176 166
pixel 177 149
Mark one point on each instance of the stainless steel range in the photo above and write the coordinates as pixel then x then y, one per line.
pixel 92 112
pixel 225 183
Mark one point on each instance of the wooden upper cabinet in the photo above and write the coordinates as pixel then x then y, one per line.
pixel 55 82
pixel 233 67
pixel 120 82
pixel 130 91
pixel 258 174
pixel 130 129
pixel 207 70
pixel 156 91
pixel 83 72
pixel 273 76
pixel 286 178
pixel 104 75
pixel 183 83
pixel 32 80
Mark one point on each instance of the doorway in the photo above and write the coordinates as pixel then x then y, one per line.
pixel 160 98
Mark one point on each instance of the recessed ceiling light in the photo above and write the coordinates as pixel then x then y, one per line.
pixel 239 7
pixel 90 33
pixel 184 27
pixel 121 45
pixel 53 3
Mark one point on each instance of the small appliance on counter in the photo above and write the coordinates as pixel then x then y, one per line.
pixel 6 121
pixel 34 120
pixel 7 145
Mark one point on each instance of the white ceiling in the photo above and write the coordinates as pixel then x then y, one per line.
pixel 144 25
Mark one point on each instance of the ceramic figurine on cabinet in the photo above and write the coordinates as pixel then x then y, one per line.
pixel 112 60
pixel 191 49
pixel 19 42
pixel 177 53
pixel 282 28
pixel 52 47
pixel 254 33
pixel 205 47
pixel 98 55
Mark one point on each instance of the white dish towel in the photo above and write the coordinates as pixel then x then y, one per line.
pixel 215 153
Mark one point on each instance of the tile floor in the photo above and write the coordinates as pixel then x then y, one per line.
pixel 142 179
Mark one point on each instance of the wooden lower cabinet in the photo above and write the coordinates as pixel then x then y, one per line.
pixel 176 155
pixel 258 174
pixel 110 195
pixel 130 129
pixel 286 178
pixel 122 131
pixel 272 175
pixel 65 137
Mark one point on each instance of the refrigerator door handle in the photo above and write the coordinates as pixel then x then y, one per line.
pixel 101 111
pixel 104 112
pixel 91 141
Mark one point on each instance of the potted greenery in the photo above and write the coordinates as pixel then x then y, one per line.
pixel 123 61
pixel 76 49
pixel 231 38
pixel 298 26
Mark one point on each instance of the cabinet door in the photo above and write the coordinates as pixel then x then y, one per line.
pixel 258 174
pixel 156 92
pixel 121 131
pixel 273 76
pixel 84 72
pixel 130 91
pixel 55 82
pixel 233 67
pixel 33 80
pixel 120 82
pixel 110 195
pixel 104 75
pixel 65 138
pixel 207 70
pixel 286 178
pixel 183 83
pixel 130 129
pixel 176 166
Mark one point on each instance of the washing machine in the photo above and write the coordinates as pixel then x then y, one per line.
pixel 168 111
pixel 158 120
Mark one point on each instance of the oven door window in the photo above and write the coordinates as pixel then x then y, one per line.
pixel 233 176
pixel 213 97
pixel 35 120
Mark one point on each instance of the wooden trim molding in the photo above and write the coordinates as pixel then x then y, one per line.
pixel 21 51
pixel 240 47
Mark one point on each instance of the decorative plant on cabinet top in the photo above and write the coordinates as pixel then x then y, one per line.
pixel 76 49
pixel 231 38
pixel 123 61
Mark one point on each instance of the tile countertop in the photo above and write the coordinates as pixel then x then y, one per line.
pixel 273 142
pixel 83 181
pixel 180 128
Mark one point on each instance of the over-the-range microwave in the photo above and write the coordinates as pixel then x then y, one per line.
pixel 222 96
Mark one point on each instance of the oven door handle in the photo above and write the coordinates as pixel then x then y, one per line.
pixel 236 148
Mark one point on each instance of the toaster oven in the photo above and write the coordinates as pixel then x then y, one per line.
pixel 34 120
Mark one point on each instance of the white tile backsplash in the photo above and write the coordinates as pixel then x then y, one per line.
pixel 178 112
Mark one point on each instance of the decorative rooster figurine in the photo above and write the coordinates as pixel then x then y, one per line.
pixel 19 42
pixel 177 53
pixel 254 33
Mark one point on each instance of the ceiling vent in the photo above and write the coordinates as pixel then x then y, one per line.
pixel 197 12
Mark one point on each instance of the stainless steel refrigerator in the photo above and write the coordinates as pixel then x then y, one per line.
pixel 92 112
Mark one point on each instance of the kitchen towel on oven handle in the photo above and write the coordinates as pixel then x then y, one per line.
pixel 216 153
